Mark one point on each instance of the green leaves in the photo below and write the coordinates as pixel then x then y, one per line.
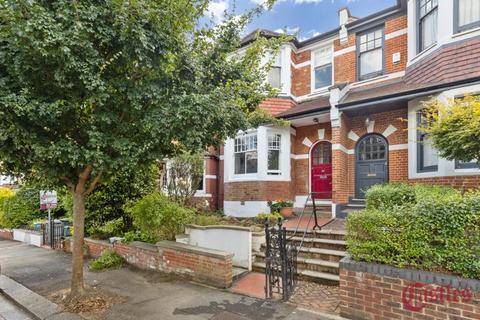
pixel 436 229
pixel 111 84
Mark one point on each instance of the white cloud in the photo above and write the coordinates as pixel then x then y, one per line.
pixel 288 30
pixel 310 34
pixel 307 1
pixel 216 9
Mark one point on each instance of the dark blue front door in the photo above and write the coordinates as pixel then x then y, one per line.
pixel 371 163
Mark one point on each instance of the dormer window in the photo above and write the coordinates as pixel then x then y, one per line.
pixel 275 73
pixel 322 61
pixel 370 54
pixel 427 23
pixel 467 14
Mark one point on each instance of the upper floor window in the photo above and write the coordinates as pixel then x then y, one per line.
pixel 322 64
pixel 427 23
pixel 370 54
pixel 427 156
pixel 275 73
pixel 274 144
pixel 467 14
pixel 246 156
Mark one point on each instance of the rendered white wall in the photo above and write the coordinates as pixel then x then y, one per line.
pixel 234 240
pixel 245 209
pixel 28 237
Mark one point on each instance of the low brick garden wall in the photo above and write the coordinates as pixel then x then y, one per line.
pixel 374 291
pixel 211 267
pixel 6 234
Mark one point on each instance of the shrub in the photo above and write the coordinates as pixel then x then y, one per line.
pixel 438 232
pixel 159 218
pixel 107 260
pixel 272 217
pixel 401 194
pixel 105 215
pixel 5 194
pixel 276 206
pixel 207 220
pixel 23 208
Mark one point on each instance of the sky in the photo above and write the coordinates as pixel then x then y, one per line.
pixel 305 18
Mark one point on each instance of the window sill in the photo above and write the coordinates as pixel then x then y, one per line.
pixel 423 53
pixel 465 32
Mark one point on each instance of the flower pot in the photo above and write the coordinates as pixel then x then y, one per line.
pixel 286 212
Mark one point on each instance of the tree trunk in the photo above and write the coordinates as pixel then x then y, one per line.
pixel 77 288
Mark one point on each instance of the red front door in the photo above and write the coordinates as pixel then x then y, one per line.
pixel 321 174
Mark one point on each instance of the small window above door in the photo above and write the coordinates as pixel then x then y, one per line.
pixel 372 148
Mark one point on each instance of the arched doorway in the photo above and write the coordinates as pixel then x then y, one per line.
pixel 371 163
pixel 321 170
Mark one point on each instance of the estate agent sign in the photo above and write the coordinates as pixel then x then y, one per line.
pixel 48 199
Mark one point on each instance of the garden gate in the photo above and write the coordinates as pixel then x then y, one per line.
pixel 280 262
pixel 53 234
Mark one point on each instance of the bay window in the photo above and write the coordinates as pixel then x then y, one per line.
pixel 427 156
pixel 246 155
pixel 274 144
pixel 427 13
pixel 370 54
pixel 466 14
pixel 323 67
pixel 275 73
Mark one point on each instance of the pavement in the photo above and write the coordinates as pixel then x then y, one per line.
pixel 145 295
pixel 10 311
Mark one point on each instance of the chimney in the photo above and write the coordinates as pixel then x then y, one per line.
pixel 344 17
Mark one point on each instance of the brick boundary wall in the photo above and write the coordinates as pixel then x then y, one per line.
pixel 207 266
pixel 375 291
pixel 6 234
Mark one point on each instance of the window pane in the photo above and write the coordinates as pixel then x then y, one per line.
pixel 323 76
pixel 273 159
pixel 274 77
pixel 251 158
pixel 239 163
pixel 323 56
pixel 429 30
pixel 430 155
pixel 468 12
pixel 371 62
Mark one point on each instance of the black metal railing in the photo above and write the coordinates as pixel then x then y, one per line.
pixel 280 262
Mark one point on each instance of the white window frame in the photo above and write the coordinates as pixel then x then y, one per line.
pixel 277 64
pixel 247 149
pixel 419 19
pixel 275 148
pixel 323 63
pixel 360 76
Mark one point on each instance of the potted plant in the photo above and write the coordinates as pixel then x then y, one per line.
pixel 285 207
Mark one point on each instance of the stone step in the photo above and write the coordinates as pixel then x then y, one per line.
pixel 315 276
pixel 317 265
pixel 318 234
pixel 318 253
pixel 333 244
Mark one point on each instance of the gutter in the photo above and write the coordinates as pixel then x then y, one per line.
pixel 407 94
pixel 299 115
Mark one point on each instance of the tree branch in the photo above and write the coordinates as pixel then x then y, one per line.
pixel 82 178
pixel 94 183
pixel 68 182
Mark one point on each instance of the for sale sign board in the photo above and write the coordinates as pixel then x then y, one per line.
pixel 48 199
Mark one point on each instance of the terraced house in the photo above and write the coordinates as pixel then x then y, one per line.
pixel 353 96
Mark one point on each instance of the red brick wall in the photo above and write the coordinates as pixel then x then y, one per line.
pixel 301 81
pixel 365 295
pixel 310 132
pixel 452 62
pixel 198 263
pixel 345 65
pixel 258 191
pixel 6 234
pixel 470 182
pixel 397 44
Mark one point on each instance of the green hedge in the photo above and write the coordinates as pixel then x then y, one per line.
pixel 400 194
pixel 437 231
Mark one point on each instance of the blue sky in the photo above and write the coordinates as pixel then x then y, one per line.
pixel 307 17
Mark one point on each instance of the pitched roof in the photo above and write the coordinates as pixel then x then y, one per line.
pixel 305 107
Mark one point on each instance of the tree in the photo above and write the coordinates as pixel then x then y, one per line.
pixel 89 88
pixel 182 175
pixel 454 127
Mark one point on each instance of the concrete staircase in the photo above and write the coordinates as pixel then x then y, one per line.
pixel 324 211
pixel 318 258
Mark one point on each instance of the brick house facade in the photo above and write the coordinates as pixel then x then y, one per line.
pixel 352 96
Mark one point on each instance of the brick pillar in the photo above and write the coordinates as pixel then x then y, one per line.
pixel 340 161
